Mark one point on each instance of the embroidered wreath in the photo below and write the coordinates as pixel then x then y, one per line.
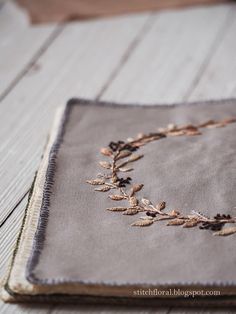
pixel 123 154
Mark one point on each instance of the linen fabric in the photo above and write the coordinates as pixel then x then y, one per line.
pixel 77 242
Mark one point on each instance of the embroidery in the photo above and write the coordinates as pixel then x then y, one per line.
pixel 122 157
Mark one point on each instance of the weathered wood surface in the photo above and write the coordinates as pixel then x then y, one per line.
pixel 171 56
pixel 218 79
pixel 78 62
pixel 19 45
pixel 155 58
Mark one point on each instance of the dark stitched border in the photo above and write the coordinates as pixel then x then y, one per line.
pixel 44 211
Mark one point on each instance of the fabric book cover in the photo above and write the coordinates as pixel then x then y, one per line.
pixel 132 203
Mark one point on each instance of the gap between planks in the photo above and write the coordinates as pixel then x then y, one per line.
pixel 14 28
pixel 12 235
pixel 220 73
pixel 230 17
pixel 133 45
pixel 56 81
pixel 55 33
pixel 122 61
pixel 165 65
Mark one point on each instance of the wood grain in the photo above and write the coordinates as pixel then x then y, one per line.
pixel 146 58
pixel 8 236
pixel 89 52
pixel 18 45
pixel 26 308
pixel 218 79
pixel 164 66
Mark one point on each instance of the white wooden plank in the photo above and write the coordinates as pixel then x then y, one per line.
pixel 19 42
pixel 8 236
pixel 39 107
pixel 25 308
pixel 219 78
pixel 165 64
pixel 78 63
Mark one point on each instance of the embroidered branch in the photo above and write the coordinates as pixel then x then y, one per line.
pixel 122 156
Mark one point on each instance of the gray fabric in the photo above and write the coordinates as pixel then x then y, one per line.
pixel 84 242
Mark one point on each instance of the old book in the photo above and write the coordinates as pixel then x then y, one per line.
pixel 132 203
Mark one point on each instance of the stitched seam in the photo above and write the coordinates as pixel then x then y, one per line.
pixel 44 211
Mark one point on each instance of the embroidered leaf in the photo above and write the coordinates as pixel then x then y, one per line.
pixel 123 169
pixel 161 206
pixel 136 187
pixel 176 133
pixel 135 157
pixel 146 201
pixel 191 223
pixel 171 127
pixel 130 139
pixel 191 216
pixel 189 127
pixel 151 139
pixel 105 164
pixel 114 178
pixel 193 133
pixel 116 197
pixel 117 209
pixel 96 181
pixel 123 154
pixel 206 124
pixel 174 213
pixel 146 217
pixel 139 144
pixel 131 211
pixel 103 189
pixel 216 125
pixel 142 223
pixel 162 130
pixel 140 135
pixel 106 151
pixel 229 120
pixel 176 222
pixel 133 201
pixel 131 159
pixel 226 231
